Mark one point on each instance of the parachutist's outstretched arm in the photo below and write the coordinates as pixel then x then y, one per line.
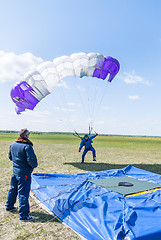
pixel 93 136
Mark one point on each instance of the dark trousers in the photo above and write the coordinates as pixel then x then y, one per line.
pixel 20 185
pixel 85 152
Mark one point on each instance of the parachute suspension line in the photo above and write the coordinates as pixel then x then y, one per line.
pixel 91 94
pixel 94 103
pixel 63 100
pixel 81 98
pixel 101 100
pixel 89 98
pixel 52 109
pixel 58 106
pixel 97 95
pixel 61 108
pixel 56 110
pixel 80 91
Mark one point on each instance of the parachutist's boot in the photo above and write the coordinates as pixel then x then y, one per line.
pixel 13 209
pixel 28 218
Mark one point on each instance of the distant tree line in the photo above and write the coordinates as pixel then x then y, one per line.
pixel 8 131
pixel 71 133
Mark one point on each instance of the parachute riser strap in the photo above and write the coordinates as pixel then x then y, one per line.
pixel 90 129
pixel 76 134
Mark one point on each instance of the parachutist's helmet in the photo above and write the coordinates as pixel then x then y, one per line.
pixel 86 136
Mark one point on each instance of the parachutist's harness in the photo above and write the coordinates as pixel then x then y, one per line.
pixel 85 142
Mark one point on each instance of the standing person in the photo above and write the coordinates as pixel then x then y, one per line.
pixel 24 160
pixel 87 143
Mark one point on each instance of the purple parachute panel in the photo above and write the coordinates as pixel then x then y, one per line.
pixel 109 66
pixel 21 95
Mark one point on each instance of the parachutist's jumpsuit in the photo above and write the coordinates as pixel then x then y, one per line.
pixel 88 147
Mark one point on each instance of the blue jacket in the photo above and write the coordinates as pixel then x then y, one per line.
pixel 87 143
pixel 23 157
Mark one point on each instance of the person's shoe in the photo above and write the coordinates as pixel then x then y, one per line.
pixel 13 209
pixel 28 218
pixel 94 159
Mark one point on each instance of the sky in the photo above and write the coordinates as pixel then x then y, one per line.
pixel 41 30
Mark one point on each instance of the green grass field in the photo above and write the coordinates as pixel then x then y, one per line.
pixel 59 154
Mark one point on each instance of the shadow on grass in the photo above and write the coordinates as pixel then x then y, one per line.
pixel 107 166
pixel 43 217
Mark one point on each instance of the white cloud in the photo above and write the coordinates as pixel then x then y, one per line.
pixel 37 113
pixel 132 78
pixel 13 67
pixel 62 83
pixel 107 108
pixel 100 122
pixel 80 88
pixel 64 109
pixel 71 104
pixel 135 97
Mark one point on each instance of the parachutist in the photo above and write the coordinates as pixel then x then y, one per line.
pixel 87 143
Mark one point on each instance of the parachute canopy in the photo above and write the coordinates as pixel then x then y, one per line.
pixel 39 83
pixel 101 205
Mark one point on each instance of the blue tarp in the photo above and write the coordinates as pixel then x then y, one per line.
pixel 98 213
